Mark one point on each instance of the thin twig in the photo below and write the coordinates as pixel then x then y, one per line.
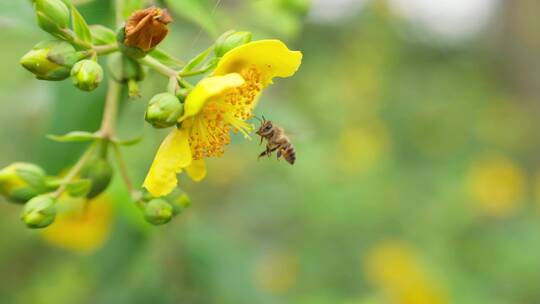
pixel 106 49
pixel 111 110
pixel 74 171
pixel 159 67
pixel 123 169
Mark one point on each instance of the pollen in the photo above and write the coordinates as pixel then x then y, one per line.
pixel 211 128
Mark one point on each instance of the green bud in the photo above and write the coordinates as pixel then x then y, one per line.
pixel 86 75
pixel 130 51
pixel 51 60
pixel 99 172
pixel 178 201
pixel 123 69
pixel 39 212
pixel 163 110
pixel 52 16
pixel 19 182
pixel 230 40
pixel 158 212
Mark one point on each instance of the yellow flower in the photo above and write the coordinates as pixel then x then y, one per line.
pixel 217 105
pixel 496 184
pixel 395 268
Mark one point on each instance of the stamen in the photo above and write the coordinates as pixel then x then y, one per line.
pixel 211 129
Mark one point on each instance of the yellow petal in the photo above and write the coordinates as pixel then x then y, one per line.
pixel 197 170
pixel 208 88
pixel 272 58
pixel 173 155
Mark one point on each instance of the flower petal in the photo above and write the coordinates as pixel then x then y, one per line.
pixel 197 170
pixel 173 155
pixel 272 58
pixel 208 88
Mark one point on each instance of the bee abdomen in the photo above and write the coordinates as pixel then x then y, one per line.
pixel 289 154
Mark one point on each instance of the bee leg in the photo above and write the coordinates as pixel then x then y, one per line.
pixel 267 151
pixel 263 153
pixel 278 154
pixel 260 143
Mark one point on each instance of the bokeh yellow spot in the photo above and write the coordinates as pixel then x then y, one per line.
pixel 81 230
pixel 276 271
pixel 394 268
pixel 360 148
pixel 496 184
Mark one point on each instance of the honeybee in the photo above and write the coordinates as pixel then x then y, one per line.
pixel 276 140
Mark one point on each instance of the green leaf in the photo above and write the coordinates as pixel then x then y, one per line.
pixel 129 6
pixel 80 27
pixel 194 62
pixel 79 188
pixel 166 59
pixel 196 11
pixel 129 142
pixel 74 136
pixel 102 35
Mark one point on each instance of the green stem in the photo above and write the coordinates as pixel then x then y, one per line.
pixel 111 110
pixel 74 171
pixel 164 70
pixel 159 67
pixel 106 49
pixel 124 172
pixel 197 72
pixel 119 11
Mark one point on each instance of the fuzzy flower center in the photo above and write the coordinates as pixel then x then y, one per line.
pixel 210 132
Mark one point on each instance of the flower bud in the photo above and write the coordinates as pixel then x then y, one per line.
pixel 39 212
pixel 51 60
pixel 178 201
pixel 20 182
pixel 158 212
pixel 144 30
pixel 52 16
pixel 86 75
pixel 99 172
pixel 163 110
pixel 230 40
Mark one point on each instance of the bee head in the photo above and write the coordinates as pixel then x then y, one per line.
pixel 265 128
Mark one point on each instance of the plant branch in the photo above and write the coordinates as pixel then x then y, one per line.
pixel 123 171
pixel 111 110
pixel 198 72
pixel 74 171
pixel 106 49
pixel 158 66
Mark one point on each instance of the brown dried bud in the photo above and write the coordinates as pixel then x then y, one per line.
pixel 147 28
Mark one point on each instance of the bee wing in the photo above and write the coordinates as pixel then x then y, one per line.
pixel 300 135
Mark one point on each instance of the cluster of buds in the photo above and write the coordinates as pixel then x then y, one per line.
pixel 73 52
pixel 28 184
pixel 159 211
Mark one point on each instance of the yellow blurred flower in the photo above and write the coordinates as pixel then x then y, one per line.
pixel 217 105
pixel 276 271
pixel 360 148
pixel 496 184
pixel 81 230
pixel 395 268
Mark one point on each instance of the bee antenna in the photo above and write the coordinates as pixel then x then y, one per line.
pixel 257 117
pixel 264 119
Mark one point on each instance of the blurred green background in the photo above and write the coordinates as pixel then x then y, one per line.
pixel 417 179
